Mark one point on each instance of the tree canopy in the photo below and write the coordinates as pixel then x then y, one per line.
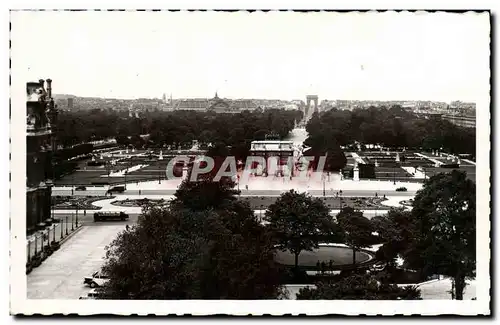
pixel 175 128
pixel 391 127
pixel 216 251
pixel 358 229
pixel 397 228
pixel 358 287
pixel 298 222
pixel 444 213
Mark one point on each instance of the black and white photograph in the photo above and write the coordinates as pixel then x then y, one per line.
pixel 250 162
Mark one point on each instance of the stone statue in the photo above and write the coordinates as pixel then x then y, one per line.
pixel 31 120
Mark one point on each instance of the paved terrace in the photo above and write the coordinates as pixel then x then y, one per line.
pixel 61 275
pixel 271 185
pixel 392 201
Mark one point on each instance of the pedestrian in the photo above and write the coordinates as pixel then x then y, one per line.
pixel 376 194
pixel 330 265
pixel 318 265
pixel 127 228
pixel 246 187
pixel 139 192
pixel 84 212
pixel 323 267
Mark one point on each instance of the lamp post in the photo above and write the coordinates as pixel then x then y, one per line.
pixel 324 194
pixel 126 172
pixel 394 174
pixel 76 221
pixel 108 168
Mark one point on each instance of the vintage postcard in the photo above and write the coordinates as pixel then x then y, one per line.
pixel 279 162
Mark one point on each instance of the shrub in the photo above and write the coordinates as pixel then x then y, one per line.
pixel 54 245
pixel 294 276
pixel 29 268
pixel 36 260
pixel 47 250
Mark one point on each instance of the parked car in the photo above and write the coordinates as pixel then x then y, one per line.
pixel 80 188
pixel 110 215
pixel 97 279
pixel 401 189
pixel 116 189
pixel 91 295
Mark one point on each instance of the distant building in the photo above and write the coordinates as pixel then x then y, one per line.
pixel 220 105
pixel 460 120
pixel 192 104
pixel 216 104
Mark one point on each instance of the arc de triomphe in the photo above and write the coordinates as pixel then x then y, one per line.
pixel 310 98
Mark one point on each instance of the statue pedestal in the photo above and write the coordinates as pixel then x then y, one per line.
pixel 356 175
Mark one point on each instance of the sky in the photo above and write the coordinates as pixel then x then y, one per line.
pixel 279 55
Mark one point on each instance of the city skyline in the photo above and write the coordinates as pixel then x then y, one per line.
pixel 378 57
pixel 61 96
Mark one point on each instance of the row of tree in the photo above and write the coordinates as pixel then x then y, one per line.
pixel 392 127
pixel 176 128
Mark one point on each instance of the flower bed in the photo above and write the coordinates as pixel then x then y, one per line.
pixel 82 203
pixel 138 202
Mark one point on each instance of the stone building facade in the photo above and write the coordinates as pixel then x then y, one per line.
pixel 40 145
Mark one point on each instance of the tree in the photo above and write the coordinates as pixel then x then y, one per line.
pixel 175 252
pixel 444 212
pixel 206 192
pixel 325 144
pixel 358 287
pixel 335 157
pixel 358 229
pixel 298 222
pixel 398 230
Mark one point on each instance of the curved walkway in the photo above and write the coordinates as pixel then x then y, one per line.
pixel 340 255
pixel 394 201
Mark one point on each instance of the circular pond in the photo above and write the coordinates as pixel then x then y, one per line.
pixel 337 254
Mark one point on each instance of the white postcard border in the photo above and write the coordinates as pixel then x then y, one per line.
pixel 21 305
